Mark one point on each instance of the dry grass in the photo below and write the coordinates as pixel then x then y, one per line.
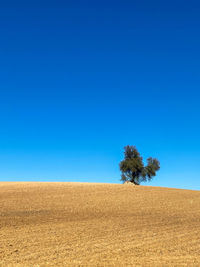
pixel 76 224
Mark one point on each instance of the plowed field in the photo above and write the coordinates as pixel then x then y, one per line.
pixel 77 224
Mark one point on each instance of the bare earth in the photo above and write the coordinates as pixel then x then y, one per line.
pixel 82 224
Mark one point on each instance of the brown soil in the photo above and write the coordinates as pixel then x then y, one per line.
pixel 82 224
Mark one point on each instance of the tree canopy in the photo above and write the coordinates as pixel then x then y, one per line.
pixel 133 169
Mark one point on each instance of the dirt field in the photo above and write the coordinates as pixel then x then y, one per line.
pixel 76 224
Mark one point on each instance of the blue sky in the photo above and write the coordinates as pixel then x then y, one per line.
pixel 80 80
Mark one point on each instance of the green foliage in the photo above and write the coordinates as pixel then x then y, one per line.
pixel 133 169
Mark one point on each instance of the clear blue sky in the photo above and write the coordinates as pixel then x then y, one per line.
pixel 79 80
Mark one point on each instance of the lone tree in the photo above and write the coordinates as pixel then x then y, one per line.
pixel 133 169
